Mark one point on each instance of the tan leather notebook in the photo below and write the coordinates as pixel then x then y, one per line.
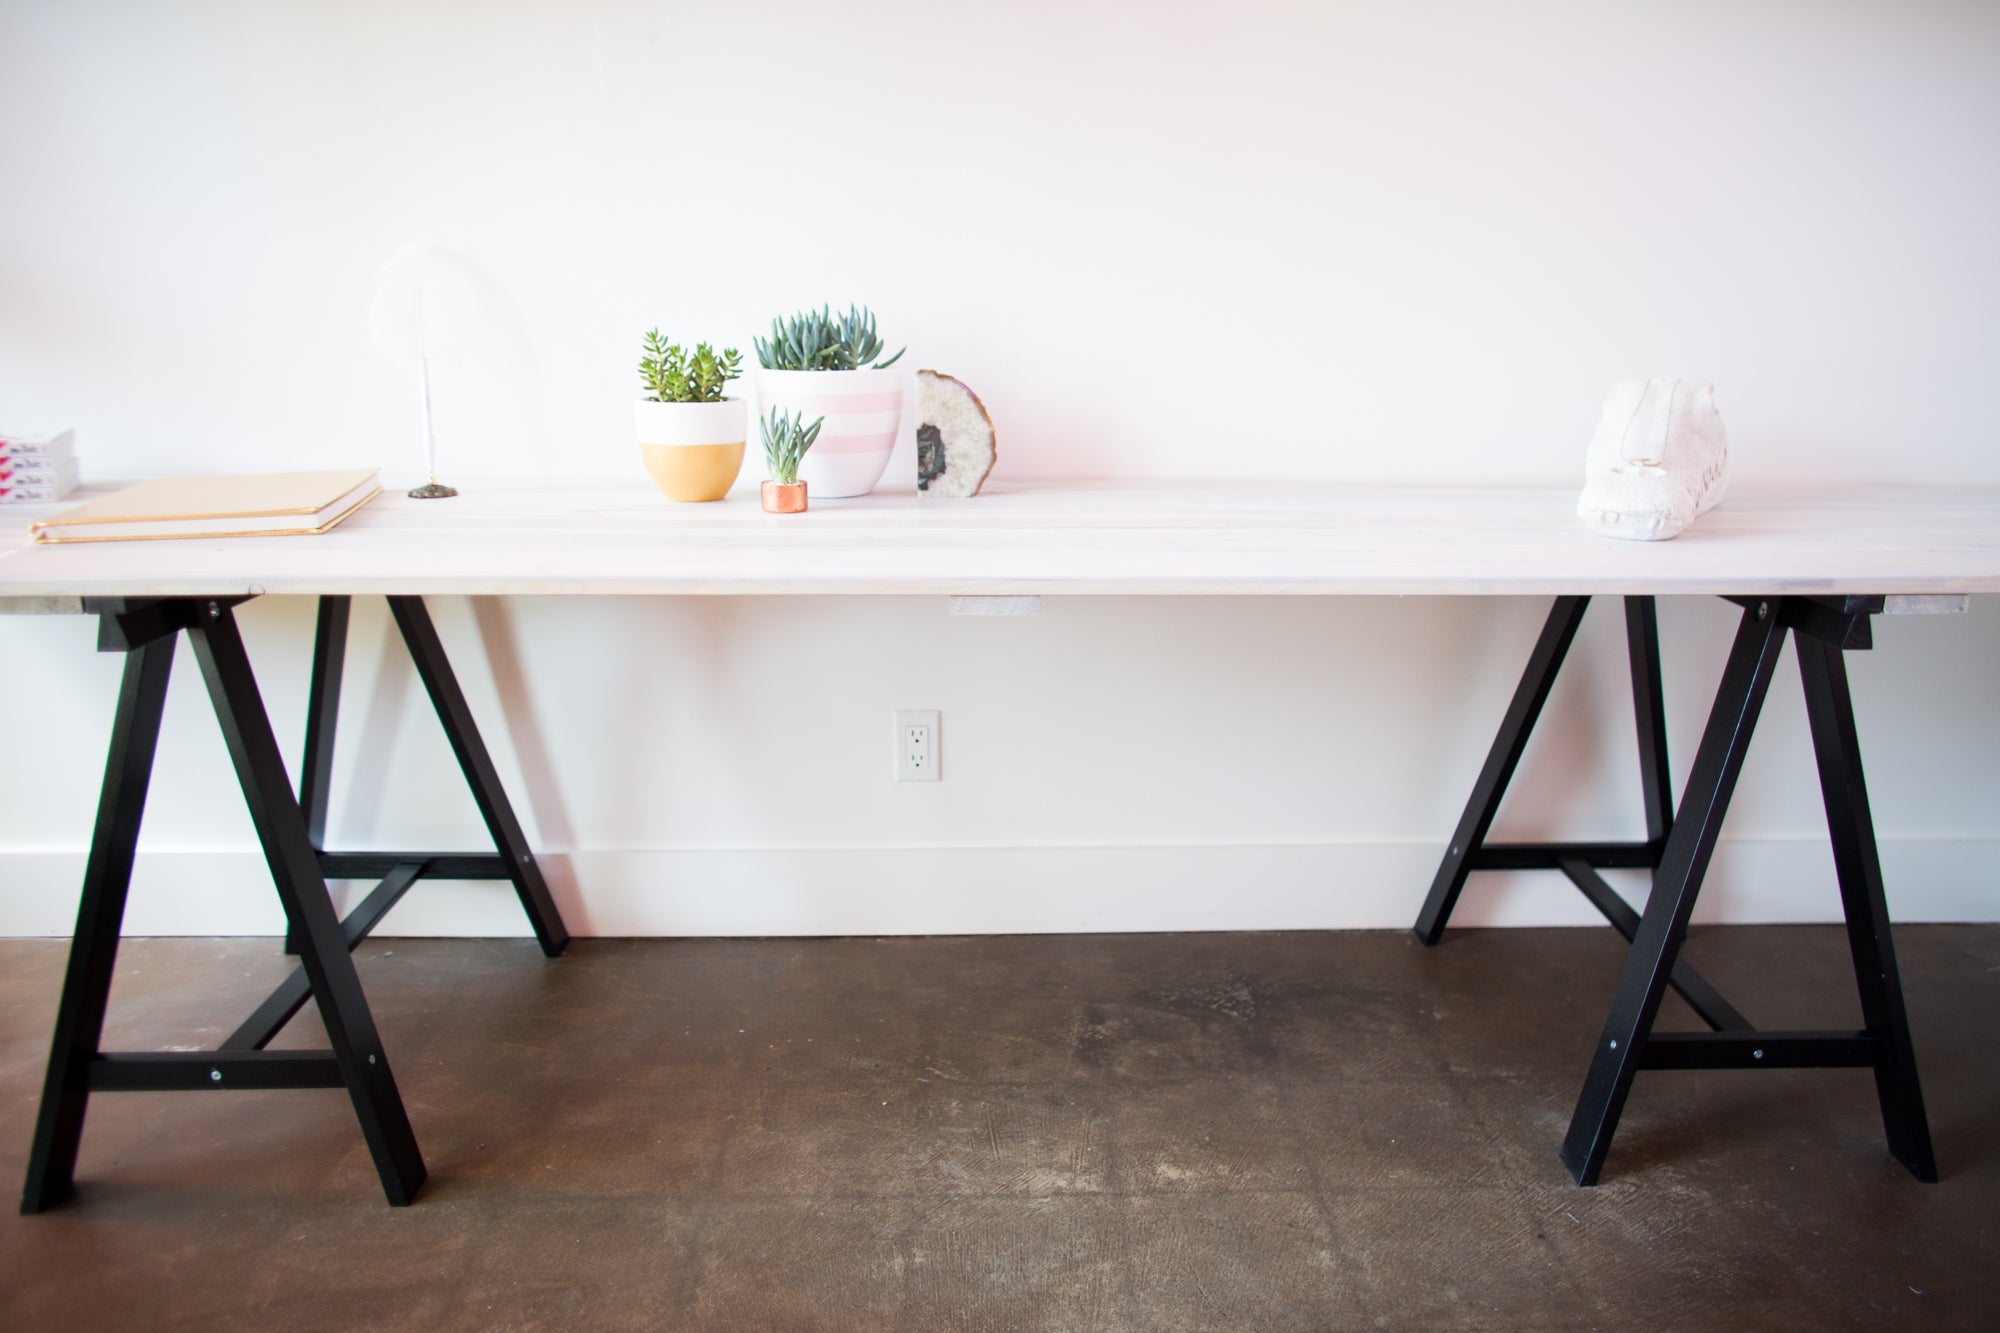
pixel 276 504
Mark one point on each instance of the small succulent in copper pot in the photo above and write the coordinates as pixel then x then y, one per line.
pixel 786 440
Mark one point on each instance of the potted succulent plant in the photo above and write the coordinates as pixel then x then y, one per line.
pixel 787 439
pixel 821 364
pixel 690 435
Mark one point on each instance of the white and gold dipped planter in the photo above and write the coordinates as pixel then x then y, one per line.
pixel 693 450
pixel 863 411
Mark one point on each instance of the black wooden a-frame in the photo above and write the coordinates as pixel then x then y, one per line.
pixel 291 830
pixel 1677 850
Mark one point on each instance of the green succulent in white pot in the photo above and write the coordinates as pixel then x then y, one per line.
pixel 821 364
pixel 690 434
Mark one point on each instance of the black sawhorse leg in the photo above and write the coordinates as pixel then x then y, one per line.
pixel 513 861
pixel 289 832
pixel 1470 851
pixel 1822 630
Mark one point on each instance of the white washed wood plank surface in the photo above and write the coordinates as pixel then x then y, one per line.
pixel 1055 538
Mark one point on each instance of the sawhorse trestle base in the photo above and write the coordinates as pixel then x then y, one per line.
pixel 1677 850
pixel 291 831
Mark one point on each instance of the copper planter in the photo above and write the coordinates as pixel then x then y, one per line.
pixel 784 497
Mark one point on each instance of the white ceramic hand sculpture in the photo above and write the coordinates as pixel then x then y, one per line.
pixel 1659 460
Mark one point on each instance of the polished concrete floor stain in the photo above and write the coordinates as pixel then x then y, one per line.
pixel 1150 1132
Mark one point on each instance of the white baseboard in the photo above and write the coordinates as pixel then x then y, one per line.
pixel 996 890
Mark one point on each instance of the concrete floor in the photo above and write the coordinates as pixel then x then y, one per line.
pixel 1270 1131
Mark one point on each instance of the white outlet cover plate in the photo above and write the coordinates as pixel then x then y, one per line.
pixel 917 751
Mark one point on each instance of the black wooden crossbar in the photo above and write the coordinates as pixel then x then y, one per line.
pixel 206 1071
pixel 437 865
pixel 292 993
pixel 1704 999
pixel 1762 1050
pixel 1551 855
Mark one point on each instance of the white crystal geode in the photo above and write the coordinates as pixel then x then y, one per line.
pixel 1659 460
pixel 955 443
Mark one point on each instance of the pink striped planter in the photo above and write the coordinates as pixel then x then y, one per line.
pixel 863 411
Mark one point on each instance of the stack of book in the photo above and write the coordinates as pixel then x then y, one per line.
pixel 280 504
pixel 37 468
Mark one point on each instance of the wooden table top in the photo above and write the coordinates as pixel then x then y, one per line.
pixel 1051 538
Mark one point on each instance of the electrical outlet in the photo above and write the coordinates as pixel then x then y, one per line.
pixel 917 745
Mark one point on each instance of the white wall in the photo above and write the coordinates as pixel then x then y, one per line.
pixel 1338 241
